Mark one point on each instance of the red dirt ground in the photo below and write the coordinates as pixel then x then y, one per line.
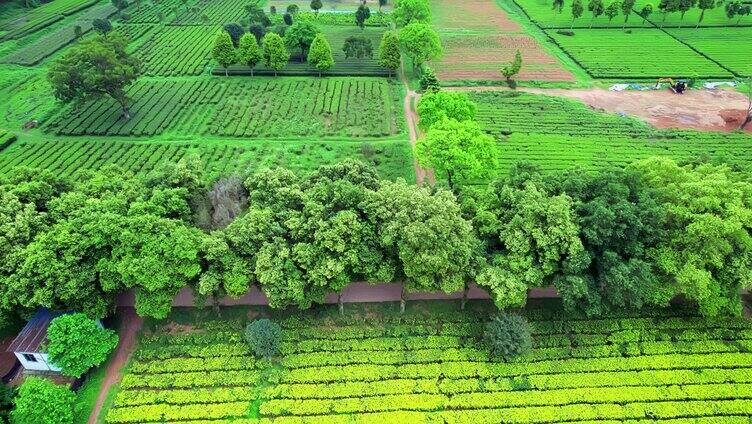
pixel 129 328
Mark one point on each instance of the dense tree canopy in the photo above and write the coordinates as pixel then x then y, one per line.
pixel 407 11
pixel 40 401
pixel 77 343
pixel 420 42
pixel 439 105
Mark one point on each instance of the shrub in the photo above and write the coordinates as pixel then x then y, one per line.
pixel 566 32
pixel 77 343
pixel 508 336
pixel 428 80
pixel 264 337
pixel 41 401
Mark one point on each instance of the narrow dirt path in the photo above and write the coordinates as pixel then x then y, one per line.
pixel 702 110
pixel 411 98
pixel 129 328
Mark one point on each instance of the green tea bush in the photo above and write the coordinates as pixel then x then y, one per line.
pixel 264 337
pixel 508 336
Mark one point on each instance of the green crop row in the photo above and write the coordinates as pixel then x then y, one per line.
pixel 213 363
pixel 145 413
pixel 191 379
pixel 218 350
pixel 184 397
pixel 177 51
pixel 43 16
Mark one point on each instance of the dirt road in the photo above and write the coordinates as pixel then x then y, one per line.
pixel 411 99
pixel 129 328
pixel 703 110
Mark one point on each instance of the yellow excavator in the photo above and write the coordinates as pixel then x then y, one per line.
pixel 677 87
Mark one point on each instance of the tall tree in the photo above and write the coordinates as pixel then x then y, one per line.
pixel 558 5
pixel 95 68
pixel 434 107
pixel 420 42
pixel 362 15
pixel 236 31
pixel 249 53
pixel 40 401
pixel 320 54
pixel 732 8
pixel 612 10
pixel 223 51
pixel 316 5
pixel 382 3
pixel 292 9
pixel 275 53
pixel 596 8
pixel 300 36
pixel 626 10
pixel 685 6
pixel 704 5
pixel 407 11
pixel 645 12
pixel 458 151
pixel 77 343
pixel 706 255
pixel 509 70
pixel 389 52
pixel 577 10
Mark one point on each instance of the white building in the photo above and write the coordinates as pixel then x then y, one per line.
pixel 27 345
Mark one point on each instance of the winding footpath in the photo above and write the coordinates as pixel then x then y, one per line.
pixel 129 327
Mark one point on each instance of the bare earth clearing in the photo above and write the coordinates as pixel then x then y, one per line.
pixel 703 110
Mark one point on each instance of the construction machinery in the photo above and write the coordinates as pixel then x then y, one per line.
pixel 677 87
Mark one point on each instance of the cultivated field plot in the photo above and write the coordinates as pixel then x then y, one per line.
pixel 336 35
pixel 557 134
pixel 643 53
pixel 269 107
pixel 191 12
pixel 33 53
pixel 478 36
pixel 432 368
pixel 177 50
pixel 41 17
pixel 542 13
pixel 392 158
pixel 330 5
pixel 731 47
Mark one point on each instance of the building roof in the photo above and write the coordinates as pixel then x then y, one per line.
pixel 34 332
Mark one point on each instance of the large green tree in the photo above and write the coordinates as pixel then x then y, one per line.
pixel 458 151
pixel 223 51
pixel 300 35
pixel 435 106
pixel 706 254
pixel 420 42
pixel 320 54
pixel 97 67
pixel 275 53
pixel 77 343
pixel 40 401
pixel 389 51
pixel 249 53
pixel 407 11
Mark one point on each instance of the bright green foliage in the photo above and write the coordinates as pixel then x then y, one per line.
pixel 77 343
pixel 420 42
pixel 249 53
pixel 40 401
pixel 408 11
pixel 513 68
pixel 531 237
pixel 389 52
pixel 300 36
pixel 458 151
pixel 275 52
pixel 320 54
pixel 264 337
pixel 96 67
pixel 707 252
pixel 436 106
pixel 223 51
pixel 508 336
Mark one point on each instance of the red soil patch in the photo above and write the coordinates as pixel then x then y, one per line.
pixel 472 15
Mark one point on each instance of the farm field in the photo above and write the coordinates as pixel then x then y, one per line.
pixel 728 46
pixel 429 366
pixel 474 48
pixel 239 107
pixel 542 14
pixel 557 133
pixel 614 54
pixel 68 156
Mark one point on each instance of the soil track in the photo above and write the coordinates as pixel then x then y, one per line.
pixel 411 99
pixel 129 327
pixel 703 110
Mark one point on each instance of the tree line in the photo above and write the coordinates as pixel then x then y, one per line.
pixel 618 238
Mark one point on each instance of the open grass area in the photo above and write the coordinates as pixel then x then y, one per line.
pixel 429 365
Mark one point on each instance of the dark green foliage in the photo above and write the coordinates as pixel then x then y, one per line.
pixel 300 36
pixel 428 80
pixel 236 31
pixel 102 26
pixel 507 336
pixel 40 401
pixel 316 5
pixel 256 15
pixel 361 15
pixel 7 394
pixel 264 337
pixel 287 19
pixel 358 47
pixel 77 343
pixel 258 31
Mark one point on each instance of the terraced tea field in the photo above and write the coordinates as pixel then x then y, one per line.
pixel 238 107
pixel 728 46
pixel 177 50
pixel 611 53
pixel 427 368
pixel 65 157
